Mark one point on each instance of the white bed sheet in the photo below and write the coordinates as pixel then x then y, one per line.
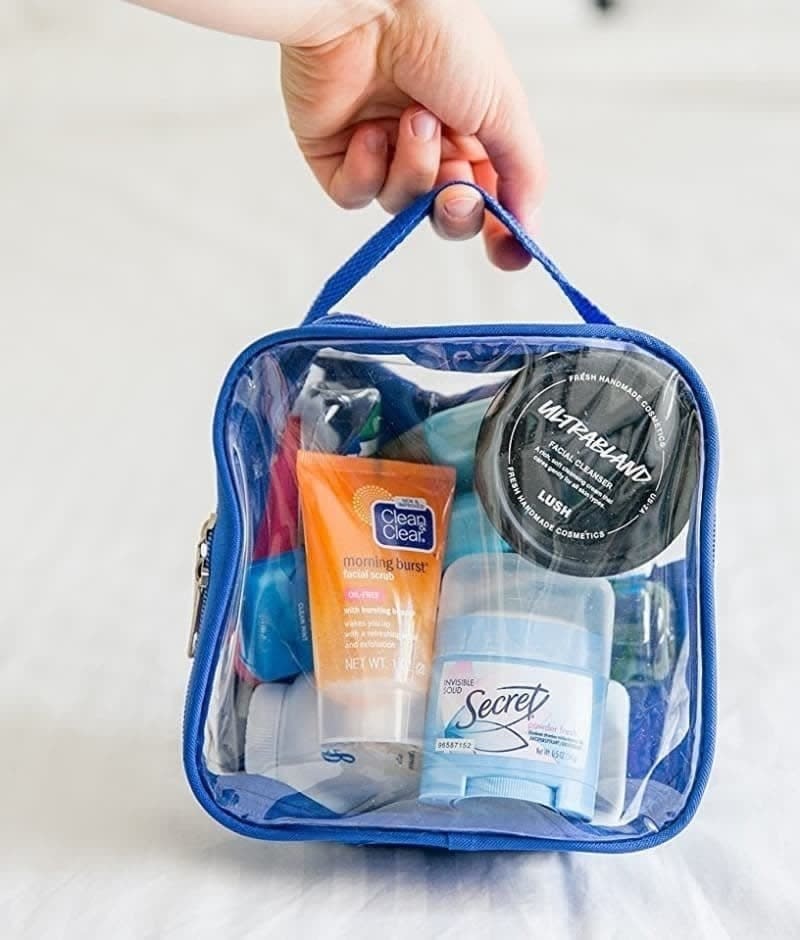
pixel 154 218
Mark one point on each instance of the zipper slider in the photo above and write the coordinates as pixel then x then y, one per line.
pixel 202 572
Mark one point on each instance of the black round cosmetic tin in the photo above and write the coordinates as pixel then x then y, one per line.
pixel 588 460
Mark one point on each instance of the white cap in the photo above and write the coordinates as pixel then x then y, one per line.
pixel 263 728
pixel 274 707
pixel 282 742
pixel 371 711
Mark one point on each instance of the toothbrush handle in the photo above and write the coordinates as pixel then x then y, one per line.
pixel 385 240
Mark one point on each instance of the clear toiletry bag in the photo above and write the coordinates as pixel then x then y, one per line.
pixel 458 588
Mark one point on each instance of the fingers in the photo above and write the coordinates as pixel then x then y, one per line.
pixel 370 168
pixel 504 158
pixel 355 180
pixel 504 251
pixel 396 167
pixel 415 163
pixel 458 212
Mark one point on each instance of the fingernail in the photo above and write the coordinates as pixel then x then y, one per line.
pixel 462 207
pixel 424 125
pixel 376 141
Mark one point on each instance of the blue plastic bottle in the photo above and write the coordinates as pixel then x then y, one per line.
pixel 519 684
pixel 470 531
pixel 275 635
pixel 451 436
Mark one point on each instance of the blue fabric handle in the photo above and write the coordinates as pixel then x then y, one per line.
pixel 384 241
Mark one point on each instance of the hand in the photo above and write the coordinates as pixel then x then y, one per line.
pixel 389 99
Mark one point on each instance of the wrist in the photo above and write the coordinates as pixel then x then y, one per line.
pixel 316 22
pixel 288 22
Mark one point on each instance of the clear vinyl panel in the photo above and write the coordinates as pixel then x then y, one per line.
pixel 467 597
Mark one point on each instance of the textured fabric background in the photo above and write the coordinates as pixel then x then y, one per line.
pixel 154 218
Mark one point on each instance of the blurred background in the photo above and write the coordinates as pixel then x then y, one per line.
pixel 154 219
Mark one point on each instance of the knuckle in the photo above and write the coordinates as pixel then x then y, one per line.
pixel 418 180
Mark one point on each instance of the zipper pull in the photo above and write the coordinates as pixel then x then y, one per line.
pixel 202 572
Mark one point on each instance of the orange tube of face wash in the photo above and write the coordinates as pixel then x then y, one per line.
pixel 375 533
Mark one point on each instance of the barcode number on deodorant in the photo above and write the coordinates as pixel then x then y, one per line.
pixel 457 745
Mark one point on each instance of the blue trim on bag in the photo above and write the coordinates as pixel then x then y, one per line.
pixel 228 539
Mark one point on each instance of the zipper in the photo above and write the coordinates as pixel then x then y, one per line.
pixel 202 574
